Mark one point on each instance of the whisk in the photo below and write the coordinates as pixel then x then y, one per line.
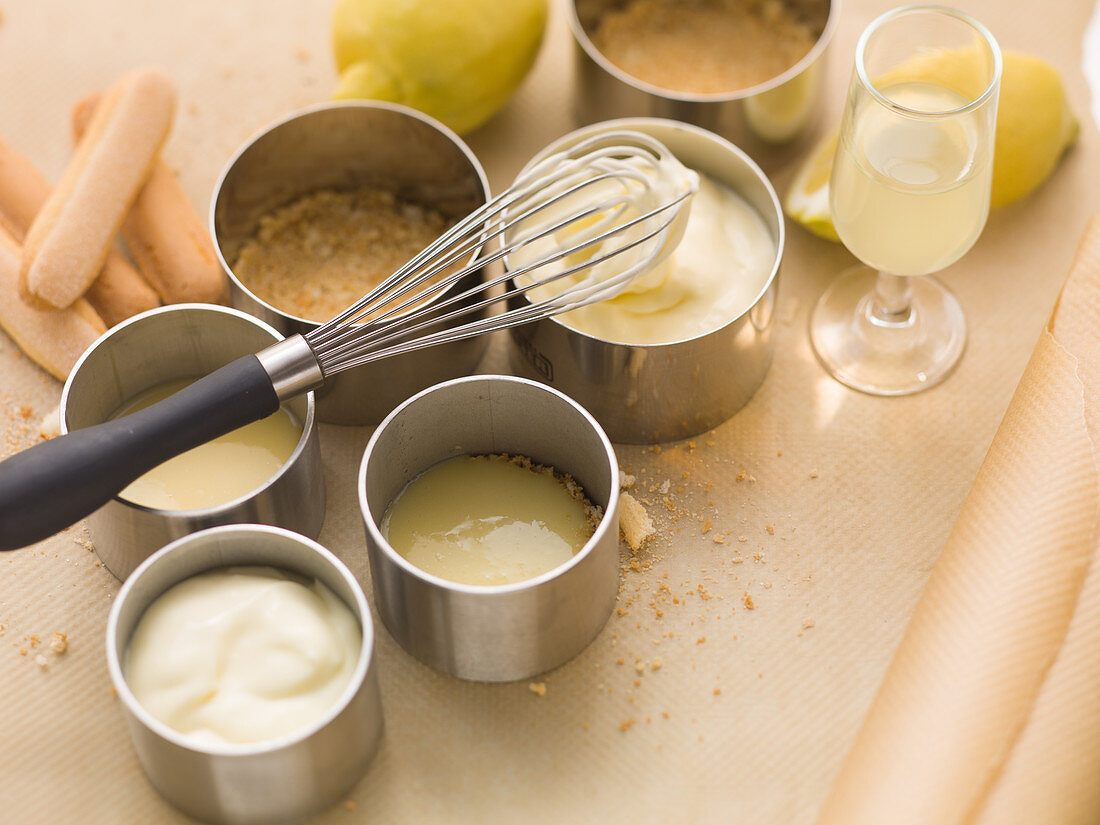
pixel 619 196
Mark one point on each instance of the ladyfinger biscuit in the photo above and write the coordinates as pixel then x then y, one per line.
pixel 66 245
pixel 54 338
pixel 119 291
pixel 168 241
pixel 23 190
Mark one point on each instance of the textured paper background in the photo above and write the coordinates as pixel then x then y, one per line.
pixel 859 493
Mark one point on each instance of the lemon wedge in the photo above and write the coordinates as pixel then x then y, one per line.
pixel 1035 126
pixel 807 200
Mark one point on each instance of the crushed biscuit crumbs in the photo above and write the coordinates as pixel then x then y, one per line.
pixel 59 643
pixel 627 724
pixel 749 603
pixel 634 522
pixel 322 252
pixel 537 688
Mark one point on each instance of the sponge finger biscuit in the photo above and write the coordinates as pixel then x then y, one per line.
pixel 166 238
pixel 119 291
pixel 54 338
pixel 70 237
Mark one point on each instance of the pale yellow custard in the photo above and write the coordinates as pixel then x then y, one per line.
pixel 489 520
pixel 230 466
pixel 717 271
pixel 242 654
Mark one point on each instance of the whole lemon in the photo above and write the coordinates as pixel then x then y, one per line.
pixel 1035 126
pixel 457 61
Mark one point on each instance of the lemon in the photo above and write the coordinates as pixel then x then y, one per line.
pixel 807 200
pixel 458 61
pixel 1035 126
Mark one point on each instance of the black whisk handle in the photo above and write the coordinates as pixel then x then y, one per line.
pixel 54 484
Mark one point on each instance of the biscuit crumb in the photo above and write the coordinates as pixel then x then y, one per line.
pixel 537 688
pixel 655 665
pixel 41 661
pixel 626 480
pixel 717 691
pixel 59 643
pixel 807 624
pixel 50 424
pixel 627 724
pixel 813 473
pixel 700 640
pixel 706 526
pixel 639 666
pixel 634 522
pixel 749 603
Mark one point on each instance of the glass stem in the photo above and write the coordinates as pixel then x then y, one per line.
pixel 890 304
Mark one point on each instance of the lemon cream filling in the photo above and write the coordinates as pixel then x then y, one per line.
pixel 219 471
pixel 489 520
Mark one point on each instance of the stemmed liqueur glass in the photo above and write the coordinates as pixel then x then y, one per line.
pixel 909 195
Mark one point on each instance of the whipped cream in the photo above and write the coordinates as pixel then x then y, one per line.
pixel 715 273
pixel 611 207
pixel 242 654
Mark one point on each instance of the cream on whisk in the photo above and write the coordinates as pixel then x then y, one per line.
pixel 713 267
pixel 613 215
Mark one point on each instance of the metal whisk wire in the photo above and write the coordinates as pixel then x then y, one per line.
pixel 624 207
pixel 387 321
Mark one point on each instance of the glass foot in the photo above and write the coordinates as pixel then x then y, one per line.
pixel 882 353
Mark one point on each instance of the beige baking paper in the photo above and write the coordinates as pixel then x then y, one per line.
pixel 976 657
pixel 823 509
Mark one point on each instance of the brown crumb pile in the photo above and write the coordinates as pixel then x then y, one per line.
pixel 634 522
pixel 321 253
pixel 709 46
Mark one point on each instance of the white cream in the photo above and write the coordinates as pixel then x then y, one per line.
pixel 242 654
pixel 605 185
pixel 715 274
